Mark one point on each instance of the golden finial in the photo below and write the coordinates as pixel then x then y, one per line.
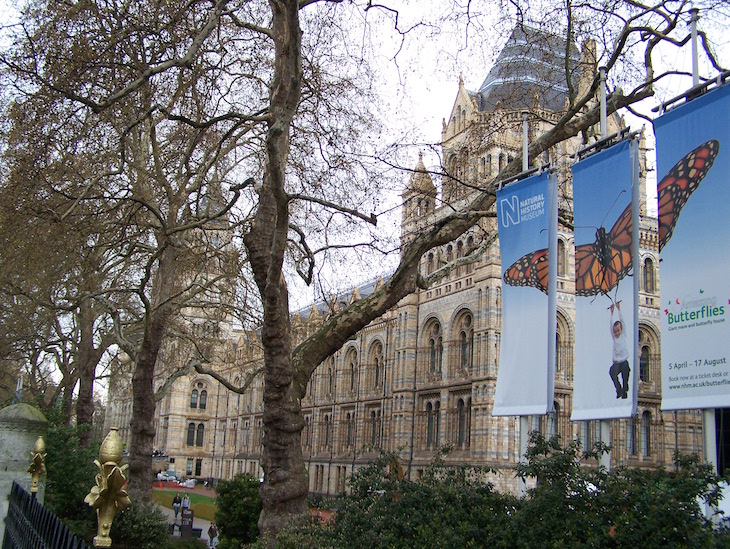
pixel 108 496
pixel 37 464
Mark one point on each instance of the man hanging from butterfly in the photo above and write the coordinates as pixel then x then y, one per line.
pixel 602 264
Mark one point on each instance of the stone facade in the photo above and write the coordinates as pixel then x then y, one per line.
pixel 423 375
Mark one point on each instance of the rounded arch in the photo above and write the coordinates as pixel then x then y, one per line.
pixel 376 362
pixel 433 341
pixel 564 334
pixel 462 338
pixel 562 257
pixel 648 268
pixel 198 391
pixel 350 368
pixel 648 352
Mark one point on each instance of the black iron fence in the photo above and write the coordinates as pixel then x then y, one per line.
pixel 29 525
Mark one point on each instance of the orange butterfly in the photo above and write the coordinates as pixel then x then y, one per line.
pixel 600 265
pixel 680 182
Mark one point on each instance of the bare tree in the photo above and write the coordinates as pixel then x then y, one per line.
pixel 191 97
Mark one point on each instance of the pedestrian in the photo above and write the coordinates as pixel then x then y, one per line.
pixel 186 502
pixel 213 535
pixel 176 501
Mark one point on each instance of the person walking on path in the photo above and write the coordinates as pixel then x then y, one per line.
pixel 186 502
pixel 213 535
pixel 176 504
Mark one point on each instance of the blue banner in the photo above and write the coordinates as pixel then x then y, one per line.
pixel 527 222
pixel 694 238
pixel 605 203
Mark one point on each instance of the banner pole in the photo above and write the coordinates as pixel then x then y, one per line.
pixel 602 126
pixel 694 17
pixel 524 432
pixel 708 414
pixel 524 420
pixel 605 425
pixel 525 139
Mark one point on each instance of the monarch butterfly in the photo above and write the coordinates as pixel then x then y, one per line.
pixel 600 265
pixel 680 182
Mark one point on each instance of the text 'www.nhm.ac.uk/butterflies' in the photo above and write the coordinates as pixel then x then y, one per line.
pixel 600 265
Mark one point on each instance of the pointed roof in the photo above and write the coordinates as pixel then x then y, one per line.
pixel 421 181
pixel 529 68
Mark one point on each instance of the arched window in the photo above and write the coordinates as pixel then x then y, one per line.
pixel 349 426
pixel 469 248
pixel 435 347
pixel 437 422
pixel 489 164
pixel 373 428
pixel 459 255
pixel 552 421
pixel 350 373
pixel 203 399
pixel 376 359
pixel 201 433
pixel 562 258
pixel 649 286
pixel 326 431
pixel 449 253
pixel 644 363
pixel 194 399
pixel 646 433
pixel 586 435
pixel 429 425
pixel 466 342
pixel 536 424
pixel 429 264
pixel 307 427
pixel 191 434
pixel 463 421
pixel 631 436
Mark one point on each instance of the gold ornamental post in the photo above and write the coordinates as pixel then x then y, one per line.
pixel 37 464
pixel 108 496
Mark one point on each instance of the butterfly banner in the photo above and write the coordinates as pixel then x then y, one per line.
pixel 605 204
pixel 527 214
pixel 694 243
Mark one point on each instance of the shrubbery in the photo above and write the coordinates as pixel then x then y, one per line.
pixel 572 505
pixel 239 507
pixel 142 526
pixel 70 475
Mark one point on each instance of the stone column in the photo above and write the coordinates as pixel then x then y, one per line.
pixel 20 427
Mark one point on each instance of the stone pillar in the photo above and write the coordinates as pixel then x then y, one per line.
pixel 20 427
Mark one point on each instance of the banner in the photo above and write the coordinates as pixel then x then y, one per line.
pixel 527 213
pixel 605 204
pixel 694 240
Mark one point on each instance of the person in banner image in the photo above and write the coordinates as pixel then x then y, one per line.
pixel 620 353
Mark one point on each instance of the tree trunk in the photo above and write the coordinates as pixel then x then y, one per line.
pixel 143 394
pixel 88 358
pixel 285 486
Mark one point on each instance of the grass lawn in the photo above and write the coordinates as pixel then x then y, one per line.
pixel 203 506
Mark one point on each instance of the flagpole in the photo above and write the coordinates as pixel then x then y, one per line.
pixel 604 424
pixel 708 414
pixel 524 420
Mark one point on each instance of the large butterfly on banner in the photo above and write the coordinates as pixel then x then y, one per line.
pixel 600 265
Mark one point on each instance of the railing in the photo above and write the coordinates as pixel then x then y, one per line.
pixel 29 525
